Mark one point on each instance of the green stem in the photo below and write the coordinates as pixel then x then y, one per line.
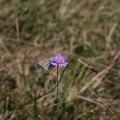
pixel 57 86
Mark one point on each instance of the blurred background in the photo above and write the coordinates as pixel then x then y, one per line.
pixel 32 30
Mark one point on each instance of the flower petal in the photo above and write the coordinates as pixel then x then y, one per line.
pixel 59 60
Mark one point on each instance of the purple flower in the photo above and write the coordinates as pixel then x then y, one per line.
pixel 59 60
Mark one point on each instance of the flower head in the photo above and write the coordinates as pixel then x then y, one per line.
pixel 59 60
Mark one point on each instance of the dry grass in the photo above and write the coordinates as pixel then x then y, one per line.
pixel 33 30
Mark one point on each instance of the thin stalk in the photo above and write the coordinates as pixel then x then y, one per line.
pixel 57 86
pixel 91 67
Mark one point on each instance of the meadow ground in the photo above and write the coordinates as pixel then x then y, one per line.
pixel 32 30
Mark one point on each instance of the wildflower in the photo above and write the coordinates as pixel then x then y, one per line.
pixel 59 60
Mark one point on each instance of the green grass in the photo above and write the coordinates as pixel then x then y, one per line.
pixel 34 30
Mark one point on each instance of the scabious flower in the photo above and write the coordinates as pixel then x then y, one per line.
pixel 59 60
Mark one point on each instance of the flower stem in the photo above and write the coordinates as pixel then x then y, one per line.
pixel 57 86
